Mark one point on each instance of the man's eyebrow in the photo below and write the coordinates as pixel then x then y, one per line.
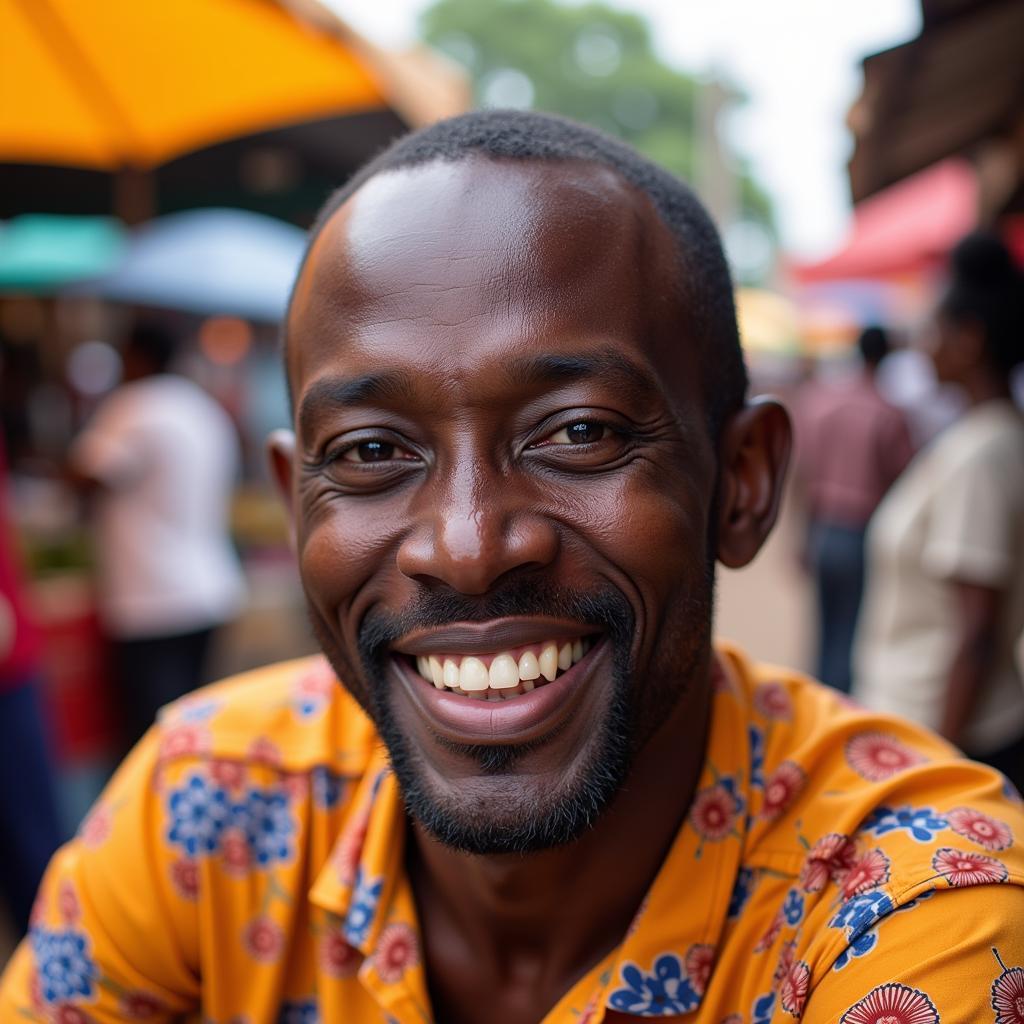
pixel 332 392
pixel 604 364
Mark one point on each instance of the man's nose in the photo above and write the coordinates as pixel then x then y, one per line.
pixel 474 529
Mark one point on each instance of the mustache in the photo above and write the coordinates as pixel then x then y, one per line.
pixel 605 607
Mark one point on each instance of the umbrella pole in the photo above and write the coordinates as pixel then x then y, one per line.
pixel 134 194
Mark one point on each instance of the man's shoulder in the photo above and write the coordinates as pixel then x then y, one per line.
pixel 828 775
pixel 294 715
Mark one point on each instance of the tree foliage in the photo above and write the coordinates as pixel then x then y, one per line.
pixel 590 62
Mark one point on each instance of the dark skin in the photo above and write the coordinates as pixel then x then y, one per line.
pixel 507 304
pixel 960 357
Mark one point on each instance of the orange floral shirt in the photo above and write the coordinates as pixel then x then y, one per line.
pixel 245 866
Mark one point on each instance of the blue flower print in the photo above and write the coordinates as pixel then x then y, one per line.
pixel 663 992
pixel 363 908
pixel 741 890
pixel 301 1011
pixel 761 1011
pixel 66 970
pixel 756 757
pixel 267 821
pixel 922 823
pixel 327 787
pixel 199 813
pixel 862 944
pixel 793 908
pixel 860 913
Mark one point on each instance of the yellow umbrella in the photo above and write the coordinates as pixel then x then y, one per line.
pixel 113 83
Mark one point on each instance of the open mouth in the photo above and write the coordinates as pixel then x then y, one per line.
pixel 503 674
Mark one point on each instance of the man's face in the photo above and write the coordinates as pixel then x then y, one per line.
pixel 503 486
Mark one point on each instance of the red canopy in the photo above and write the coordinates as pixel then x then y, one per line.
pixel 907 228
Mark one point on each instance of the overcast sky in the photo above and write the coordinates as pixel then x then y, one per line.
pixel 798 60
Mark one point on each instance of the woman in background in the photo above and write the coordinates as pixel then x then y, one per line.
pixel 944 607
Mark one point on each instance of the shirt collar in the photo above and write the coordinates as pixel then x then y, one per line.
pixel 665 959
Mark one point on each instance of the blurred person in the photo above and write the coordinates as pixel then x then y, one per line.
pixel 906 378
pixel 945 602
pixel 523 784
pixel 851 444
pixel 160 458
pixel 29 823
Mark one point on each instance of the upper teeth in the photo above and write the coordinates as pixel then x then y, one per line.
pixel 500 675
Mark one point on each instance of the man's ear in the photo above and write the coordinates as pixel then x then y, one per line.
pixel 753 453
pixel 281 456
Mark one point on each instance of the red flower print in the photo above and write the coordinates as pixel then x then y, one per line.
pixel 350 849
pixel 35 992
pixel 337 958
pixel 263 939
pixel 733 1018
pixel 396 952
pixel 140 1006
pixel 719 678
pixel 699 960
pixel 962 868
pixel 265 751
pixel 296 785
pixel 768 939
pixel 37 914
pixel 990 833
pixel 234 850
pixel 830 857
pixel 713 812
pixel 795 986
pixel 877 756
pixel 781 787
pixel 892 1004
pixel 229 775
pixel 67 1014
pixel 95 830
pixel 67 902
pixel 787 957
pixel 1008 996
pixel 773 700
pixel 183 740
pixel 185 878
pixel 318 680
pixel 868 871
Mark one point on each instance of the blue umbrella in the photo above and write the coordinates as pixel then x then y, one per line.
pixel 211 262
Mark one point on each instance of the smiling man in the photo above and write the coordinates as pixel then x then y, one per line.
pixel 538 792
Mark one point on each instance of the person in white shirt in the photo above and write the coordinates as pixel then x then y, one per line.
pixel 162 456
pixel 945 599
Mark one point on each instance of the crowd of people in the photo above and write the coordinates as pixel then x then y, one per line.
pixel 918 559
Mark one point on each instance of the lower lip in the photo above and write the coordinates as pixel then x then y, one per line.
pixel 524 718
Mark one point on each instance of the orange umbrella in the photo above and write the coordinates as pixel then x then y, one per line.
pixel 115 84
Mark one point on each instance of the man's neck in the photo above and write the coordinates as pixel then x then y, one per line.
pixel 525 928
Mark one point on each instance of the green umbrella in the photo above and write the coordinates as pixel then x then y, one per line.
pixel 39 252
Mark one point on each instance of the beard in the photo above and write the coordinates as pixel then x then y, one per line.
pixel 503 811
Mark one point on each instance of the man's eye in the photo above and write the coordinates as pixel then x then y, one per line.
pixel 581 432
pixel 370 451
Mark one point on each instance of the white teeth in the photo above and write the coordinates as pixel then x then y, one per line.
pixel 436 672
pixel 565 657
pixel 422 667
pixel 473 674
pixel 529 667
pixel 451 674
pixel 504 672
pixel 548 662
pixel 577 651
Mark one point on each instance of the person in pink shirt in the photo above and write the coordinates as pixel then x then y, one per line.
pixel 851 444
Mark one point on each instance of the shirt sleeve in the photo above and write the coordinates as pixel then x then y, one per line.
pixel 955 957
pixel 110 449
pixel 114 928
pixel 971 526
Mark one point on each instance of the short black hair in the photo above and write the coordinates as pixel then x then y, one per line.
pixel 154 343
pixel 987 288
pixel 703 275
pixel 873 344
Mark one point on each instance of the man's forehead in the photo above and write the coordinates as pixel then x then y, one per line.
pixel 461 240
